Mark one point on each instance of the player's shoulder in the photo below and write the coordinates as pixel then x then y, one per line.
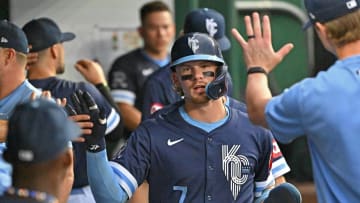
pixel 132 57
pixel 161 75
pixel 237 104
pixel 63 83
pixel 240 118
pixel 167 110
pixel 74 85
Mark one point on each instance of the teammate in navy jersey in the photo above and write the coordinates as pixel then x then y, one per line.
pixel 159 91
pixel 46 38
pixel 129 71
pixel 202 150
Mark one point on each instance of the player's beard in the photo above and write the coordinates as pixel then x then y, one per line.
pixel 60 69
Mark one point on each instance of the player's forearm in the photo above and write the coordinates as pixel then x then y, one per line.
pixel 3 130
pixel 102 179
pixel 257 96
pixel 132 116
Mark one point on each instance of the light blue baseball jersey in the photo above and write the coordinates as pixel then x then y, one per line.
pixel 327 110
pixel 7 106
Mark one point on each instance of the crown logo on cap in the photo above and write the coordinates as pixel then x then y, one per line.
pixel 351 4
pixel 4 40
pixel 193 43
pixel 211 26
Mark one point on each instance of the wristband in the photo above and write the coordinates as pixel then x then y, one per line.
pixel 256 69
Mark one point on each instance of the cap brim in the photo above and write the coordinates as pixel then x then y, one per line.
pixel 307 25
pixel 224 43
pixel 67 36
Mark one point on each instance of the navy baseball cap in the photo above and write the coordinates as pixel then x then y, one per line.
pixel 323 11
pixel 42 33
pixel 39 131
pixel 11 36
pixel 206 20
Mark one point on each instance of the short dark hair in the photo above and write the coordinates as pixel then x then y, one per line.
pixel 153 6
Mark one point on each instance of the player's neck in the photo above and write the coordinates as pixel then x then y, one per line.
pixel 156 54
pixel 43 68
pixel 8 83
pixel 210 112
pixel 46 184
pixel 40 72
pixel 348 50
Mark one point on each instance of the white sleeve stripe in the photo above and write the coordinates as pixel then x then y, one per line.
pixel 262 185
pixel 279 167
pixel 123 96
pixel 113 120
pixel 125 179
pixel 278 162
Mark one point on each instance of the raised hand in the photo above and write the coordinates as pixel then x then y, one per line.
pixel 85 104
pixel 257 49
pixel 92 71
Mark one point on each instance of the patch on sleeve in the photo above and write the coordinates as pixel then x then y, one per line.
pixel 155 107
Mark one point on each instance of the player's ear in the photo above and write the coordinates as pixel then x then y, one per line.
pixel 9 55
pixel 53 51
pixel 140 30
pixel 175 79
pixel 176 84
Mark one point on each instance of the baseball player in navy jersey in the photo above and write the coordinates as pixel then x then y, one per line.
pixel 129 72
pixel 159 91
pixel 324 108
pixel 195 152
pixel 46 38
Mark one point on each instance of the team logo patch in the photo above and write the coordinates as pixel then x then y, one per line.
pixel 4 40
pixel 155 107
pixel 236 168
pixel 193 43
pixel 351 4
pixel 276 153
pixel 211 26
pixel 147 71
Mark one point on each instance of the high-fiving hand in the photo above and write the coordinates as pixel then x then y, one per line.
pixel 257 49
pixel 83 103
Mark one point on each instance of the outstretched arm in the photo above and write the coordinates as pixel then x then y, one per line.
pixel 93 73
pixel 258 52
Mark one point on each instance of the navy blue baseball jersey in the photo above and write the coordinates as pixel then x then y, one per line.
pixel 128 74
pixel 279 164
pixel 60 88
pixel 159 92
pixel 185 163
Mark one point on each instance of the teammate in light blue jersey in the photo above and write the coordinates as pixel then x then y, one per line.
pixel 324 108
pixel 14 88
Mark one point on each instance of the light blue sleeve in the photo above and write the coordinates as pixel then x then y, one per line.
pixel 102 179
pixel 283 114
pixel 5 171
